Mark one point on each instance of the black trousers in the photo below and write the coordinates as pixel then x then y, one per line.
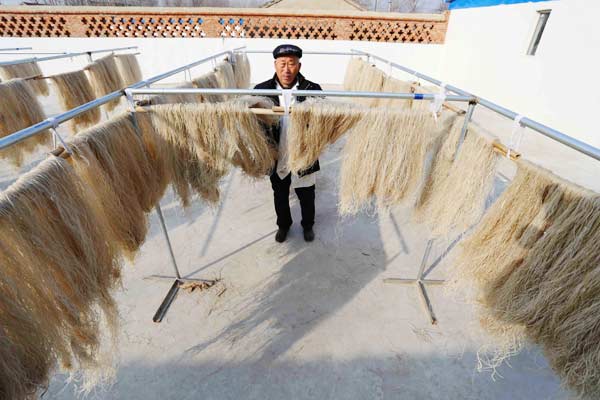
pixel 281 195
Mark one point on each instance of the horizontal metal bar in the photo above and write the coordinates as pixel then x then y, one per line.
pixel 16 48
pixel 265 92
pixel 67 115
pixel 303 93
pixel 560 137
pixel 547 131
pixel 33 52
pixel 66 55
pixel 56 120
pixel 166 303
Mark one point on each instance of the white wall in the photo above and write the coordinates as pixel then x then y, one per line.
pixel 160 55
pixel 484 53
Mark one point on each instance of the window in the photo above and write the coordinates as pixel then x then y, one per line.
pixel 539 29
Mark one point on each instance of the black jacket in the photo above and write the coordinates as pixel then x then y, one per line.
pixel 274 133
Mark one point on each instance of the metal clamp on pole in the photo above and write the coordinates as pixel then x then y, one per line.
pixel 463 133
pixel 56 136
pixel 516 136
pixel 560 137
pixel 287 100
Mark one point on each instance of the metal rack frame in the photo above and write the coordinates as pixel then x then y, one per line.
pixel 16 48
pixel 420 282
pixel 53 122
pixel 142 88
pixel 64 55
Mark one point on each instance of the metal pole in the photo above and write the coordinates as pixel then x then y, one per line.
pixel 168 240
pixel 33 52
pixel 60 118
pixel 177 279
pixel 560 137
pixel 66 55
pixel 463 133
pixel 16 48
pixel 304 93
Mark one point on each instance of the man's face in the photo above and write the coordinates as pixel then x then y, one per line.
pixel 286 68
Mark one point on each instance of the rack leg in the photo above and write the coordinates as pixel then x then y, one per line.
pixel 177 279
pixel 168 240
pixel 420 283
pixel 426 303
pixel 166 303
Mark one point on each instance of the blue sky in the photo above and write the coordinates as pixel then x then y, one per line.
pixel 484 3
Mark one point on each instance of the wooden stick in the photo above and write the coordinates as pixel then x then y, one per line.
pixel 502 149
pixel 499 147
pixel 60 152
pixel 35 78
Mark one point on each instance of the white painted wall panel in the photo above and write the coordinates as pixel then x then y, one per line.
pixel 484 53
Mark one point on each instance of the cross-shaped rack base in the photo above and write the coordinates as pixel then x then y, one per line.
pixel 420 282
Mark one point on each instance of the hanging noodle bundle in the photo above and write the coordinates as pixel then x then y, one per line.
pixel 20 109
pixel 371 80
pixel 211 137
pixel 353 71
pixel 523 208
pixel 241 70
pixel 555 290
pixel 314 124
pixel 384 157
pixel 395 86
pixel 58 269
pixel 363 77
pixel 455 192
pixel 126 180
pixel 225 77
pixel 209 81
pixel 74 89
pixel 186 171
pixel 26 70
pixel 544 285
pixel 129 68
pixel 105 78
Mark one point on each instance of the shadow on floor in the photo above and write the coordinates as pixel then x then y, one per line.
pixel 397 376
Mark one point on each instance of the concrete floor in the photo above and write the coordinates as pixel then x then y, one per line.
pixel 304 321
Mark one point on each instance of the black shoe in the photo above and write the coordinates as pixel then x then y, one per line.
pixel 281 234
pixel 309 235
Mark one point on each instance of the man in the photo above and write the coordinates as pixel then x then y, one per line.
pixel 287 76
